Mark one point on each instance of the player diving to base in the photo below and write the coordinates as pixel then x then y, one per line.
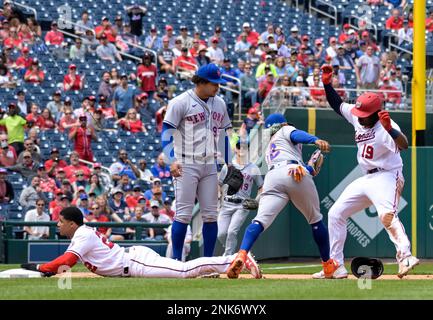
pixel 108 259
pixel 288 179
pixel 379 142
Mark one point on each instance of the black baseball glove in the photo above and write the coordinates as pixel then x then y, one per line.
pixel 234 179
pixel 34 267
pixel 250 204
pixel 366 267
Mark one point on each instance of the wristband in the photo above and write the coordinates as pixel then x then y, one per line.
pixel 394 133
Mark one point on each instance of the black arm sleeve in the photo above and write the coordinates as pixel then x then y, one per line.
pixel 333 98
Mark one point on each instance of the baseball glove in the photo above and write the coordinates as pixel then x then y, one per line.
pixel 366 267
pixel 275 127
pixel 34 267
pixel 316 162
pixel 297 173
pixel 250 204
pixel 234 179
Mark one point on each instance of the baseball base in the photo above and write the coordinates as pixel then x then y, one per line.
pixel 20 273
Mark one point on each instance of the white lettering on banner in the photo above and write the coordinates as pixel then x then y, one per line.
pixel 430 225
pixel 365 225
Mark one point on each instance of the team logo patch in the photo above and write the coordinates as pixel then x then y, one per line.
pixel 218 73
pixel 358 104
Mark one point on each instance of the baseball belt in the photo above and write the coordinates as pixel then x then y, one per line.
pixel 233 200
pixel 283 163
pixel 374 170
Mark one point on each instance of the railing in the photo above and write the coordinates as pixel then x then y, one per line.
pixel 185 69
pixel 396 46
pixel 429 91
pixel 26 7
pixel 239 92
pixel 138 226
pixel 326 14
pixel 369 24
pixel 92 164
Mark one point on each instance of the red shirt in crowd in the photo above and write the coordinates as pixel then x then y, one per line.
pixel 108 112
pixel 147 76
pixel 13 42
pixel 318 94
pixel 54 37
pixel 179 62
pixel 49 163
pixel 82 143
pixel 64 120
pixel 428 24
pixel 267 86
pixel 33 78
pixel 75 84
pixel 71 170
pixel 132 126
pixel 252 37
pixel 394 24
pixel 23 62
pixel 45 124
pixel 107 31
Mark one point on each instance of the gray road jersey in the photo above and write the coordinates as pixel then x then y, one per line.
pixel 281 148
pixel 251 174
pixel 198 125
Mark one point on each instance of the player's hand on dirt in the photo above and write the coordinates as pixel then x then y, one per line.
pixel 176 169
pixel 323 145
pixel 327 72
pixel 385 119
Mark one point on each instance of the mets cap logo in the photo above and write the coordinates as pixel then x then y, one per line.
pixel 358 104
pixel 218 73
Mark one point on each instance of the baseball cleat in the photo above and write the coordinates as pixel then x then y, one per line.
pixel 329 267
pixel 253 267
pixel 237 265
pixel 406 265
pixel 339 273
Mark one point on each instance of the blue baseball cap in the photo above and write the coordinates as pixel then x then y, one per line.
pixel 83 197
pixel 274 118
pixel 211 72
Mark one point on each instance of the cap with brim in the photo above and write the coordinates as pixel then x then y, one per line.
pixel 299 79
pixel 3 170
pixel 154 203
pixel 202 48
pixel 367 104
pixel 211 73
pixel 59 192
pixel 294 29
pixel 104 18
pixel 136 188
pixel 168 27
pixel 65 181
pixel 63 197
pixel 246 25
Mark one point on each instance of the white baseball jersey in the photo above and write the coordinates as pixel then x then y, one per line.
pixel 198 124
pixel 251 174
pixel 96 252
pixel 376 148
pixel 282 148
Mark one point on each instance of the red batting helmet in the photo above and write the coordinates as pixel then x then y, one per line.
pixel 367 104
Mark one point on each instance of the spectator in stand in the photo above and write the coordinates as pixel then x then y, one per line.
pixel 249 86
pixel 163 92
pixel 54 37
pixel 339 88
pixel 222 42
pixel 56 202
pixel 429 21
pixel 54 163
pixel 123 98
pixel 166 56
pixel 77 51
pixel 193 52
pixel 350 51
pixel 6 190
pixel 319 51
pixel 283 50
pixel 331 51
pixel 24 61
pixel 197 36
pixel 159 118
pixel 370 42
pixel 154 216
pixel 269 30
pixel 90 42
pixel 15 126
pixel 34 27
pixel 118 24
pixel 21 103
pixel 76 166
pixel 177 49
pixel 215 53
pixel 242 45
pixel 262 67
pixel 252 36
pixel 82 137
pixel 124 184
pixel 345 34
pixel 169 35
pixel 263 48
pixel 29 146
pixel 254 117
pixel 31 194
pixel 394 22
pixel 367 70
pixel 138 217
pixel 202 58
pixel 392 100
pixel 33 116
pixel 405 36
pixel 265 86
pixel 83 205
pixel 80 182
pixel 294 41
pixel 83 25
pixel 160 169
pixel 37 215
pixel 131 122
pixel 123 166
pixel 153 41
pixel 47 184
pixel 306 43
pixel 98 121
pixel 388 67
pixel 107 111
pixel 166 209
pixel 46 121
pixel 361 50
pixel 185 65
pixel 145 112
pixel 14 40
pixel 186 40
pixel 145 173
pixel 318 95
pixel 56 105
pixel 280 66
pixel 136 14
pixel 132 199
pixel 105 88
pixel 66 188
pixel 8 156
pixel 344 61
pixel 299 95
pixel 119 207
pixel 96 215
pixel 147 73
pixel 253 58
pixel 155 191
pixel 68 121
pixel 105 30
pixel 394 81
pixel 279 34
pixel 64 203
pixel 34 74
pixel 107 51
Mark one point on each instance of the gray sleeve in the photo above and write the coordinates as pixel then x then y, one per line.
pixel 23 197
pixel 222 175
pixel 258 179
pixel 175 112
pixel 226 123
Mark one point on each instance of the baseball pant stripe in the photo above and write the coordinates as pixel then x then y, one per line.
pixel 181 270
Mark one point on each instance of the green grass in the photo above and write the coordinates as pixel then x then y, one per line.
pixel 219 289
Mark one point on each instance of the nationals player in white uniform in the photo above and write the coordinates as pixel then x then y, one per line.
pixel 194 120
pixel 232 214
pixel 108 259
pixel 379 142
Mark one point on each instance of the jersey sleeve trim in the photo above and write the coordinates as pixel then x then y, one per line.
pixel 76 253
pixel 170 123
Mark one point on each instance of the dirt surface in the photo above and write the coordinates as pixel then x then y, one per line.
pixel 280 276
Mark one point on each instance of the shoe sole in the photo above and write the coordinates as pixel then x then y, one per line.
pixel 211 276
pixel 236 269
pixel 401 275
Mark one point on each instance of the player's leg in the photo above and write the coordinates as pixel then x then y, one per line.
pixel 386 203
pixel 236 223
pixel 207 194
pixel 224 217
pixel 185 188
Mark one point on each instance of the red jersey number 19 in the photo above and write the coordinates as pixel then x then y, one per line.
pixel 367 152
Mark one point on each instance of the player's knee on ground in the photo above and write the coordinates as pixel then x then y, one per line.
pixel 386 219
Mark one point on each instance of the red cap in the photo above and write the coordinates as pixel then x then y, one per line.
pixel 168 27
pixel 25 49
pixel 305 37
pixel 72 66
pixel 367 104
pixel 165 38
pixel 58 192
pixel 332 39
pixel 303 46
pixel 97 165
pixel 385 79
pixel 143 95
pixel 215 39
pixel 365 33
pixel 317 41
pixel 252 110
pixel 346 26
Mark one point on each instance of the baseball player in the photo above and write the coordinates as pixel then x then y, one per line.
pixel 379 142
pixel 193 122
pixel 288 178
pixel 108 259
pixel 232 213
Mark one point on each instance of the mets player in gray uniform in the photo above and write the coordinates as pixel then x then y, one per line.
pixel 192 126
pixel 232 214
pixel 288 179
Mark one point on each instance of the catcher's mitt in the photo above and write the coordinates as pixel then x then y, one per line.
pixel 297 173
pixel 234 179
pixel 371 268
pixel 250 204
pixel 316 162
